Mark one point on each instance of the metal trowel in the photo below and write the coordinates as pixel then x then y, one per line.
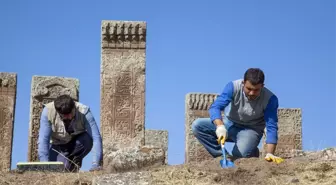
pixel 224 162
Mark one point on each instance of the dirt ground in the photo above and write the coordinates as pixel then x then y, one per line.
pixel 300 170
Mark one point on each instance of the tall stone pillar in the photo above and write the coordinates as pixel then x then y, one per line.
pixel 7 113
pixel 123 52
pixel 45 89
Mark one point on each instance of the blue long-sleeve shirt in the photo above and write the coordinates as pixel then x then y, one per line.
pixel 253 113
pixel 91 128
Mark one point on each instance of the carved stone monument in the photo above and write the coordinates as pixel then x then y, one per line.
pixel 122 114
pixel 123 55
pixel 289 133
pixel 196 106
pixel 45 89
pixel 7 111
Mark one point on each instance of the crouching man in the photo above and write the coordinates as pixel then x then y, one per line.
pixel 251 108
pixel 68 132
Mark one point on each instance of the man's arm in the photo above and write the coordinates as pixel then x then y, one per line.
pixel 44 136
pixel 271 119
pixel 220 103
pixel 93 131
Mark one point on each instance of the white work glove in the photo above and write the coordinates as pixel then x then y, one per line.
pixel 272 158
pixel 221 132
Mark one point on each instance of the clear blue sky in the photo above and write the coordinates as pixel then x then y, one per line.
pixel 191 47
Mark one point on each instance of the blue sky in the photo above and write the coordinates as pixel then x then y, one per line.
pixel 192 46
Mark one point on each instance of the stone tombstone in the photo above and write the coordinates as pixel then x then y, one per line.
pixel 7 113
pixel 123 53
pixel 158 138
pixel 196 106
pixel 45 89
pixel 289 133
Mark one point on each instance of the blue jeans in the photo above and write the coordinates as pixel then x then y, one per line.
pixel 246 139
pixel 74 151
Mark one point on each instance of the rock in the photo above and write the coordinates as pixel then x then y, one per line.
pixel 329 154
pixel 295 180
pixel 133 158
pixel 127 178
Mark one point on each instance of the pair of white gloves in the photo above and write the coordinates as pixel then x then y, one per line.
pixel 222 132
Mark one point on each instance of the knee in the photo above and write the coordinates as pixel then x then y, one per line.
pixel 198 124
pixel 85 140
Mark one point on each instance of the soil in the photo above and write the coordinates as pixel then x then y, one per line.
pixel 312 169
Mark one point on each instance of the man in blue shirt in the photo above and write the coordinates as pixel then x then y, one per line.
pixel 251 108
pixel 71 129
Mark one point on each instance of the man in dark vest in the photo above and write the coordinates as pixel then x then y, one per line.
pixel 68 132
pixel 251 109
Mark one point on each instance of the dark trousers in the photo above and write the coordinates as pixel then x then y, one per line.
pixel 72 153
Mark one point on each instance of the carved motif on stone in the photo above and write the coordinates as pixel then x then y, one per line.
pixel 45 89
pixel 124 34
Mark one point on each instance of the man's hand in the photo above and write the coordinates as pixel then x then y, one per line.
pixel 221 132
pixel 272 158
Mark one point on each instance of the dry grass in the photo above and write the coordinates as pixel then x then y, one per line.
pixel 248 171
pixel 47 178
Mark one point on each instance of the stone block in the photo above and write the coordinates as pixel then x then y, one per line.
pixel 289 133
pixel 196 106
pixel 45 89
pixel 41 166
pixel 132 158
pixel 157 138
pixel 123 54
pixel 8 87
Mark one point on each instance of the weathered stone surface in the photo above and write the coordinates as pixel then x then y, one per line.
pixel 123 52
pixel 289 133
pixel 45 89
pixel 132 158
pixel 159 139
pixel 196 106
pixel 127 178
pixel 41 166
pixel 7 113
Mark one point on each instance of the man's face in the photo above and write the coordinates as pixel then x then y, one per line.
pixel 67 118
pixel 252 91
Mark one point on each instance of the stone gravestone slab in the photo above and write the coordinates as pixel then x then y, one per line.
pixel 122 118
pixel 123 82
pixel 289 133
pixel 7 111
pixel 196 106
pixel 45 89
pixel 158 138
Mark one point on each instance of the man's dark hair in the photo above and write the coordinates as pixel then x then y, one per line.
pixel 64 104
pixel 255 76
